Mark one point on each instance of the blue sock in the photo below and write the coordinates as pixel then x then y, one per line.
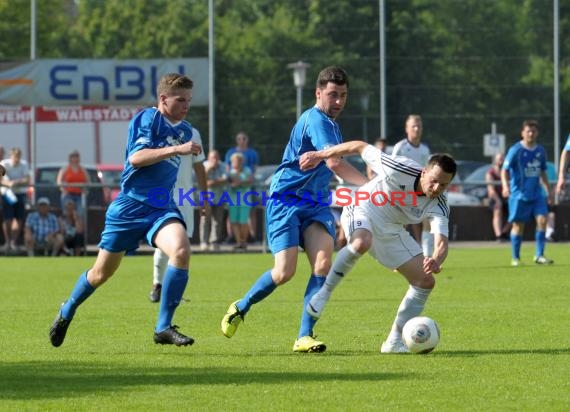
pixel 307 322
pixel 516 241
pixel 173 286
pixel 262 288
pixel 540 238
pixel 81 291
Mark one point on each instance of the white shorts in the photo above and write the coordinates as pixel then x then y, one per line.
pixel 392 245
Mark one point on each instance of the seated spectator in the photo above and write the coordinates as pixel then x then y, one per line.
pixel 42 233
pixel 71 223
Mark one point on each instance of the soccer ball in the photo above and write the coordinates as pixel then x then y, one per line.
pixel 421 334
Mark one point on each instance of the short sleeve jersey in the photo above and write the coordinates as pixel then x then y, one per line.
pixel 419 153
pixel 250 156
pixel 396 178
pixel 525 167
pixel 149 129
pixel 314 130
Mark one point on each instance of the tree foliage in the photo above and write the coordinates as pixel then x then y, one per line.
pixel 461 64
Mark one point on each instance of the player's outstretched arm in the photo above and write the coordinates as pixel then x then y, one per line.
pixel 147 157
pixel 433 264
pixel 310 160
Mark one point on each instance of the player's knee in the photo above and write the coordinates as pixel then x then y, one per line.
pixel 361 244
pixel 282 275
pixel 322 265
pixel 97 276
pixel 426 282
pixel 180 256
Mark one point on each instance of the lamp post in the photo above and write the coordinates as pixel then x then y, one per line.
pixel 299 78
pixel 365 103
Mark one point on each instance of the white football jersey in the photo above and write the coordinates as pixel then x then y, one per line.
pixel 185 181
pixel 419 153
pixel 394 184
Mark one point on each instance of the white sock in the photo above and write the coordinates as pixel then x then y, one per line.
pixel 343 263
pixel 160 260
pixel 427 243
pixel 411 306
pixel 549 231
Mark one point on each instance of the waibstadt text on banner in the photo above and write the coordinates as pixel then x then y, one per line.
pixel 342 197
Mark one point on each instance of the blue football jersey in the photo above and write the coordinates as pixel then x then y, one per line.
pixel 525 167
pixel 149 129
pixel 313 131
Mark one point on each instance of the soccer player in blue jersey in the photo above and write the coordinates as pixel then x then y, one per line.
pixel 525 183
pixel 297 212
pixel 144 209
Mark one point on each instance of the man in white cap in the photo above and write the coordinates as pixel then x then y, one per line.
pixel 42 230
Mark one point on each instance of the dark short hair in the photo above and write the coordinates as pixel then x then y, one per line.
pixel 445 161
pixel 530 123
pixel 332 74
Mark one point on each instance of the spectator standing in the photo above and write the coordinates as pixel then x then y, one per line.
pixel 71 223
pixel 251 161
pixel 525 183
pixel 250 155
pixel 43 231
pixel 413 148
pixel 14 189
pixel 73 173
pixel 239 179
pixel 212 224
pixel 497 203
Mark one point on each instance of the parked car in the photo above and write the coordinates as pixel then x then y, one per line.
pixel 475 185
pixel 262 176
pixel 464 169
pixel 110 176
pixel 46 185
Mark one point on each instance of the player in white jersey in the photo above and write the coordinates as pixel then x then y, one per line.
pixel 184 181
pixel 401 193
pixel 412 148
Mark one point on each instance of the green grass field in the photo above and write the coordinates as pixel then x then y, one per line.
pixel 505 343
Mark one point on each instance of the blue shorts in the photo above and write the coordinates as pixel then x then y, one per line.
pixel 524 210
pixel 129 221
pixel 286 222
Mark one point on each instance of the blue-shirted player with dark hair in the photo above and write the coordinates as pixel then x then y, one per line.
pixel 144 209
pixel 525 184
pixel 297 213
